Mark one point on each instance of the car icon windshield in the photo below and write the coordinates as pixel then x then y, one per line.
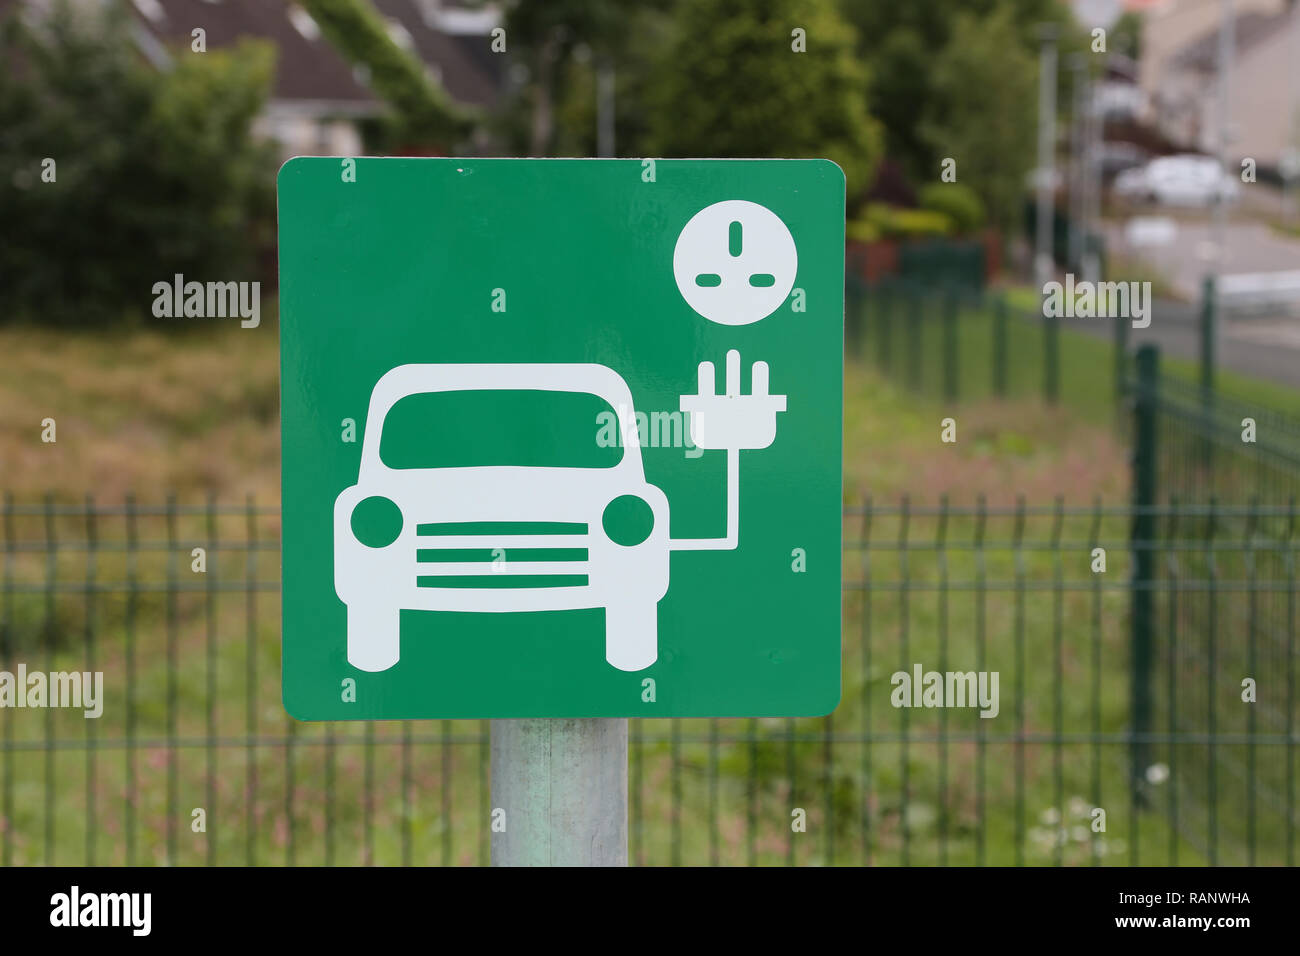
pixel 462 428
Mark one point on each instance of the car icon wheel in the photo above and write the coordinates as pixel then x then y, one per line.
pixel 632 634
pixel 374 636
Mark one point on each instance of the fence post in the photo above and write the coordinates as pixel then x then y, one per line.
pixel 915 315
pixel 1141 538
pixel 950 344
pixel 1207 335
pixel 855 307
pixel 885 311
pixel 861 328
pixel 1121 357
pixel 1208 341
pixel 1000 346
pixel 1051 358
pixel 562 785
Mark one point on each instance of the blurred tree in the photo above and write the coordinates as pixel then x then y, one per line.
pixel 901 42
pixel 901 85
pixel 935 21
pixel 559 44
pixel 1126 34
pixel 153 174
pixel 731 84
pixel 985 91
pixel 424 117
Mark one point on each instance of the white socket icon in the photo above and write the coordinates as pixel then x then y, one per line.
pixel 735 262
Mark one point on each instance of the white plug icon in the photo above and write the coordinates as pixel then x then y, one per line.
pixel 732 420
pixel 735 262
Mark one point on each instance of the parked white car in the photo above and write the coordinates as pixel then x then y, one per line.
pixel 1183 180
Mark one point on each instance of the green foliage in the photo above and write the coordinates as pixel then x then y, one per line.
pixel 958 202
pixel 893 222
pixel 561 43
pixel 425 116
pixel 936 22
pixel 860 230
pixel 155 174
pixel 730 85
pixel 900 68
pixel 982 114
pixel 1126 34
pixel 905 43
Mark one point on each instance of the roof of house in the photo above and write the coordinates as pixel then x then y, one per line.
pixel 1202 54
pixel 462 62
pixel 310 69
pixel 307 68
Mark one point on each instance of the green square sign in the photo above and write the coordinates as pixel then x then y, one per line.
pixel 561 438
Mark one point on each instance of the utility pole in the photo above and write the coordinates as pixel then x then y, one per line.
pixel 1094 134
pixel 1290 159
pixel 1078 141
pixel 1092 14
pixel 1227 42
pixel 1043 266
pixel 1210 319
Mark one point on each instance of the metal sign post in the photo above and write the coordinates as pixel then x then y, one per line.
pixel 559 792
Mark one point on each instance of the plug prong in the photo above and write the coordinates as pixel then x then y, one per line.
pixel 759 376
pixel 706 378
pixel 733 374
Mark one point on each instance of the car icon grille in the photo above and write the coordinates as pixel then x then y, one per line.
pixel 501 554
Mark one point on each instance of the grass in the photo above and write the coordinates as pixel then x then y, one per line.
pixel 142 411
pixel 1289 230
pixel 196 414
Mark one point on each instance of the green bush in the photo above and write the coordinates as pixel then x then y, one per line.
pixel 958 202
pixel 859 230
pixel 893 222
pixel 153 174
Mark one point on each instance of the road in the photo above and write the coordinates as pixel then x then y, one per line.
pixel 1259 348
pixel 1251 247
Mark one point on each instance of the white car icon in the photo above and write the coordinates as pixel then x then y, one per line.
pixel 500 538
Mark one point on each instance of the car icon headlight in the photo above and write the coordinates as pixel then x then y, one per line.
pixel 376 521
pixel 628 520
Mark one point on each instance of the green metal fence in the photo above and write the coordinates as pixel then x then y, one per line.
pixel 952 261
pixel 1203 449
pixel 195 762
pixel 1189 444
pixel 951 341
